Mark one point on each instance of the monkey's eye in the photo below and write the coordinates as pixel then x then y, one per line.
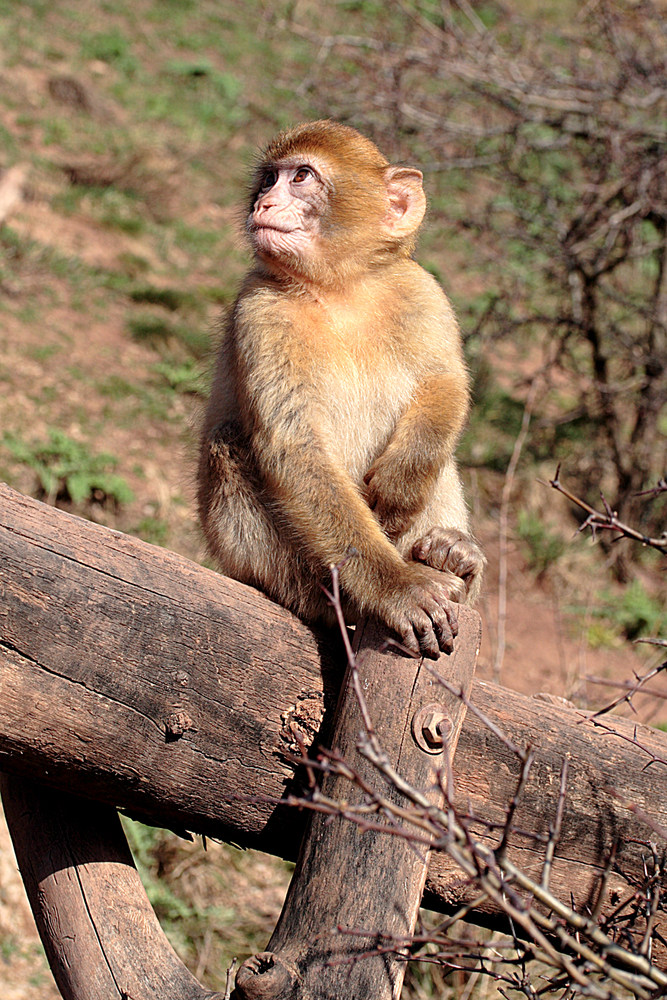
pixel 268 180
pixel 302 174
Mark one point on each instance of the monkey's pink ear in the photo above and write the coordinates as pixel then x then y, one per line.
pixel 407 201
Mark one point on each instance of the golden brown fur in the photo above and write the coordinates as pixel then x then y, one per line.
pixel 339 395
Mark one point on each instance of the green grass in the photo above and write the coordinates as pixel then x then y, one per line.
pixel 171 298
pixel 629 614
pixel 209 920
pixel 153 530
pixel 186 377
pixel 65 470
pixel 117 388
pixel 158 331
pixel 638 613
pixel 113 47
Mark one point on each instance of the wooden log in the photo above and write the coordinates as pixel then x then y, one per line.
pixel 346 881
pixel 121 659
pixel 100 932
pixel 132 676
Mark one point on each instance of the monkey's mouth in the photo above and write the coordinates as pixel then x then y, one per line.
pixel 278 241
pixel 259 227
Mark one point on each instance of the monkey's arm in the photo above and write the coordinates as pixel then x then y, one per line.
pixel 321 504
pixel 401 480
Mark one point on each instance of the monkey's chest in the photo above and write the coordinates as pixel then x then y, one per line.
pixel 350 365
pixel 360 406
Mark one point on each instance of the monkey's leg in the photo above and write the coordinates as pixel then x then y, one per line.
pixel 454 552
pixel 241 531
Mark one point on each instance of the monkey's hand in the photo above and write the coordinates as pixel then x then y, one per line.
pixel 452 551
pixel 395 494
pixel 420 611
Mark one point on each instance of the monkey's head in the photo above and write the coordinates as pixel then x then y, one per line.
pixel 325 204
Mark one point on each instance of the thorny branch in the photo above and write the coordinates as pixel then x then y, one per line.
pixel 609 519
pixel 631 690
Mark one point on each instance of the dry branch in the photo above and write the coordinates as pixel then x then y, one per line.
pixel 609 519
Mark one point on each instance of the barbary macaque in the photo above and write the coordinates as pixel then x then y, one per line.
pixel 339 395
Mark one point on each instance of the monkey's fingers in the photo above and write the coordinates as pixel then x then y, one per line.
pixel 407 638
pixel 427 637
pixel 438 633
pixel 416 631
pixel 435 638
pixel 448 586
pixel 450 613
pixel 446 627
pixel 451 551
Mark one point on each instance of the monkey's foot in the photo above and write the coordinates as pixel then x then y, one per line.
pixel 453 552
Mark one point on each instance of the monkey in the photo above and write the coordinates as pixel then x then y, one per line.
pixel 338 397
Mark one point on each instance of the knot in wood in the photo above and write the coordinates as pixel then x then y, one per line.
pixel 264 976
pixel 301 722
pixel 177 724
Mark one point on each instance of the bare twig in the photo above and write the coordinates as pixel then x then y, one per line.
pixel 608 519
pixel 554 828
pixel 229 980
pixel 660 487
pixel 631 691
pixel 504 526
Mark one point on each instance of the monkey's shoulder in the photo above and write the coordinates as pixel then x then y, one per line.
pixel 401 308
pixel 424 320
pixel 415 284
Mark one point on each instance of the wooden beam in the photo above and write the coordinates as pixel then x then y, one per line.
pixel 134 677
pixel 99 930
pixel 345 881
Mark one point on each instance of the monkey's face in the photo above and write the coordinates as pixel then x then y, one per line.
pixel 326 206
pixel 285 221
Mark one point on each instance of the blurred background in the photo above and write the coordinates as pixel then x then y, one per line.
pixel 126 134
